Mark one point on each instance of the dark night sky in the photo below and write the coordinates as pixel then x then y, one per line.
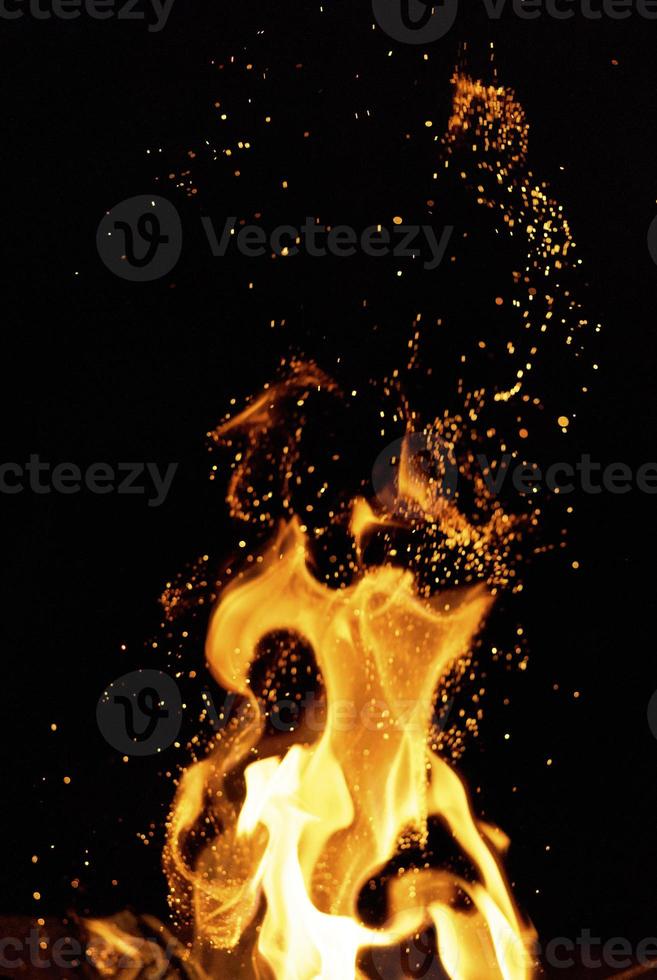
pixel 99 369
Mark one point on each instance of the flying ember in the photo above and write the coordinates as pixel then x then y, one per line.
pixel 326 830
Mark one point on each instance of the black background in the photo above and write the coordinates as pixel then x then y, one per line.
pixel 97 369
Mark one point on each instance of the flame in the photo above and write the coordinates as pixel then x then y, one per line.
pixel 321 821
pixel 274 841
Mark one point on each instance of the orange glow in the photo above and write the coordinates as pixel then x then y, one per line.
pixel 275 838
pixel 320 821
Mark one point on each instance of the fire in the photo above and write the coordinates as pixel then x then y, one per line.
pixel 276 839
pixel 274 842
pixel 321 821
pixel 289 838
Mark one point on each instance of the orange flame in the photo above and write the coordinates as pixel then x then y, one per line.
pixel 321 821
pixel 274 841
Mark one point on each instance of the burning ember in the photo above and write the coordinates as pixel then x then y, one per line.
pixel 301 849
